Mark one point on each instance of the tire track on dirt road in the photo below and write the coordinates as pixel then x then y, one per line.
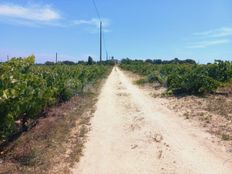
pixel 131 133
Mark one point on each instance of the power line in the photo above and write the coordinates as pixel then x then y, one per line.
pixel 102 33
pixel 97 11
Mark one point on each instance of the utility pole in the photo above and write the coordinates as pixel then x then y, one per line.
pixel 100 41
pixel 56 57
pixel 7 58
pixel 106 55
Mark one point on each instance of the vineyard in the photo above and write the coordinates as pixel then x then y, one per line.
pixel 183 77
pixel 26 89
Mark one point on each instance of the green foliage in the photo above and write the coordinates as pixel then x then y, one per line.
pixel 27 89
pixel 155 77
pixel 191 81
pixel 185 77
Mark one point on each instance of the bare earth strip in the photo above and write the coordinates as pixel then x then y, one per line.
pixel 132 133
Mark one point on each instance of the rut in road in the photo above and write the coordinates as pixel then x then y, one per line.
pixel 132 133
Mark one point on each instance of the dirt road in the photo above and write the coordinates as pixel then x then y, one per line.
pixel 131 133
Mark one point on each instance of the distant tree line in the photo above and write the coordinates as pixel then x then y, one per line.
pixel 159 61
pixel 90 61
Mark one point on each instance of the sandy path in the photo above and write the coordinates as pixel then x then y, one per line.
pixel 132 133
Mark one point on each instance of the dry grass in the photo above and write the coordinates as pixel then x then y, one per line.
pixel 221 105
pixel 212 112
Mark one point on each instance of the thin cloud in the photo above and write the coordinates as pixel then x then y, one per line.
pixel 204 44
pixel 219 32
pixel 39 15
pixel 93 22
pixel 35 13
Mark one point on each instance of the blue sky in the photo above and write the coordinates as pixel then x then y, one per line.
pixel 165 29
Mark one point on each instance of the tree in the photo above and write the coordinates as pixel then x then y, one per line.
pixel 81 62
pixel 157 61
pixel 189 61
pixel 90 61
pixel 49 63
pixel 67 62
pixel 148 60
